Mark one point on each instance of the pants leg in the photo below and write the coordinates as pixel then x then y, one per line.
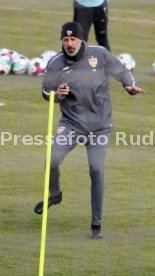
pixel 85 17
pixel 96 156
pixel 59 151
pixel 101 25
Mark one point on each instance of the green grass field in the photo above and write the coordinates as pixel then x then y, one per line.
pixel 128 246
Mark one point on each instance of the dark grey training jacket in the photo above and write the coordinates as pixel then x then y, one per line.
pixel 87 108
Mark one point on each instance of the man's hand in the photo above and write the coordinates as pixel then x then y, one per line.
pixel 63 90
pixel 133 90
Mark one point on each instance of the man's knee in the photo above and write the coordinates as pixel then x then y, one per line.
pixel 96 172
pixel 56 159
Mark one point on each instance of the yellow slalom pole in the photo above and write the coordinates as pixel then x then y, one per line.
pixel 46 185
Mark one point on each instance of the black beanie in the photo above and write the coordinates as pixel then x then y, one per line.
pixel 72 29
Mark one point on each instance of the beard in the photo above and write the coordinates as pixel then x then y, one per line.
pixel 74 55
pixel 71 51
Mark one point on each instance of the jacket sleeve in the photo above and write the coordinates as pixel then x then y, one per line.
pixel 115 68
pixel 46 95
pixel 50 83
pixel 47 86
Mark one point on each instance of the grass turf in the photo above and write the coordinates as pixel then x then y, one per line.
pixel 31 27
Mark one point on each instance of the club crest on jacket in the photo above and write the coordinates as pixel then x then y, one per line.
pixel 60 129
pixel 93 62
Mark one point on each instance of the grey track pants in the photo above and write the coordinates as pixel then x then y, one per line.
pixel 96 156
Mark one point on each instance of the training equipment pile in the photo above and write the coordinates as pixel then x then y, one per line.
pixel 12 62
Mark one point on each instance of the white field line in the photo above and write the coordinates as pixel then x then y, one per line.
pixel 1 104
pixel 112 18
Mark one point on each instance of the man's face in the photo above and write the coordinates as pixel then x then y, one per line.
pixel 71 44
